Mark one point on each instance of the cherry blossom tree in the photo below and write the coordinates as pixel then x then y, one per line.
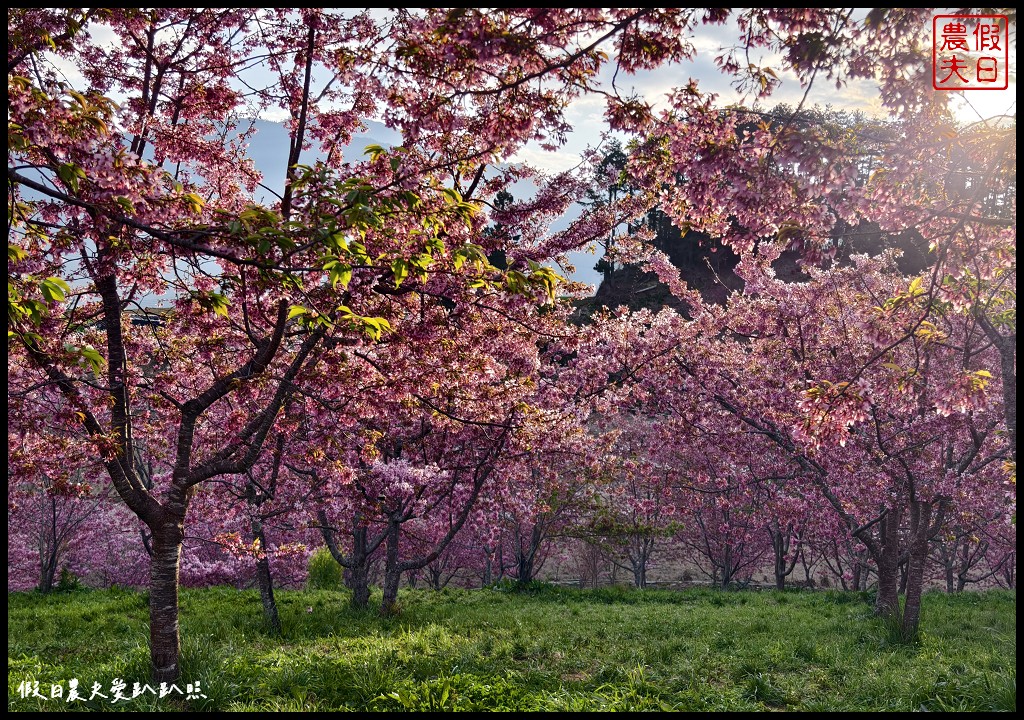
pixel 635 500
pixel 918 435
pixel 130 188
pixel 117 205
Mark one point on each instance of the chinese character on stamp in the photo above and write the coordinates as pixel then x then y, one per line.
pixel 970 52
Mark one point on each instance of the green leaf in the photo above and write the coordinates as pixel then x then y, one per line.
pixel 15 253
pixel 337 241
pixel 548 279
pixel 217 302
pixel 358 253
pixel 400 267
pixel 296 310
pixel 70 174
pixel 452 195
pixel 92 357
pixel 340 275
pixel 54 289
pixel 515 281
pixel 77 96
pixel 471 253
pixel 195 203
pixel 434 245
pixel 375 327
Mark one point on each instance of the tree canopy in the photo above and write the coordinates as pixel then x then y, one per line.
pixel 377 350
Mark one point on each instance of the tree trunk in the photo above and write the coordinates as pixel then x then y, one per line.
pixel 48 547
pixel 254 499
pixel 266 585
pixel 524 569
pixel 502 567
pixel 359 583
pixel 1010 571
pixel 780 544
pixel 488 570
pixel 389 606
pixel 727 570
pixel 164 641
pixel 392 571
pixel 356 572
pixel 808 577
pixel 46 581
pixel 866 569
pixel 1007 347
pixel 264 580
pixel 967 561
pixel 359 570
pixel 48 571
pixel 526 557
pixel 639 559
pixel 947 566
pixel 921 515
pixel 887 602
pixel 640 573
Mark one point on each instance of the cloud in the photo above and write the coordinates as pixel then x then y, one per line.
pixel 552 162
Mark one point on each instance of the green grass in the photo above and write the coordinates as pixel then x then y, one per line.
pixel 546 649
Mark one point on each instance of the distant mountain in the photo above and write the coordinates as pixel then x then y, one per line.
pixel 710 268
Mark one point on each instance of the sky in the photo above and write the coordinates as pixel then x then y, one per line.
pixel 586 114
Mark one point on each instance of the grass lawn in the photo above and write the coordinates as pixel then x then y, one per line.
pixel 547 649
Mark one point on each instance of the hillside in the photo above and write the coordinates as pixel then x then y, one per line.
pixel 709 267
